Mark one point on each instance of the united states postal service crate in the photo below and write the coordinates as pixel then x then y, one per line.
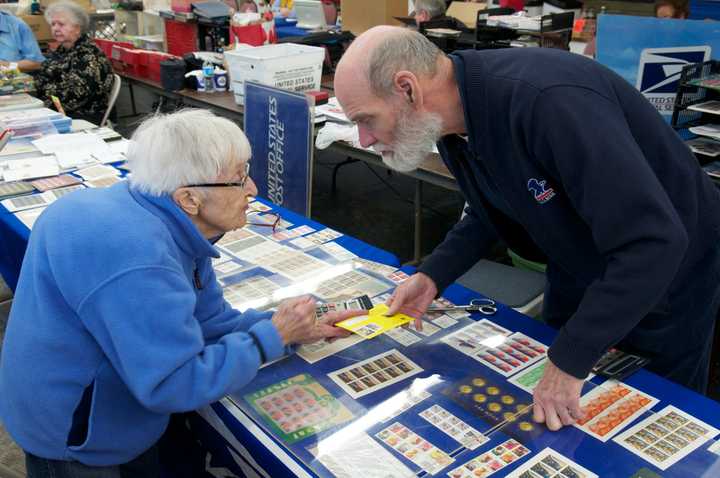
pixel 286 65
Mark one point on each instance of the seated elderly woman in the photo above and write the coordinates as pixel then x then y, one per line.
pixel 118 319
pixel 78 73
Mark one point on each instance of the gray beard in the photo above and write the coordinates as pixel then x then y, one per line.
pixel 414 139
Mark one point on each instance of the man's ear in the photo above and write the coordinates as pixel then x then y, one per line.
pixel 188 200
pixel 406 84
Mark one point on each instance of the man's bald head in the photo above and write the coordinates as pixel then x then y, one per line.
pixel 376 55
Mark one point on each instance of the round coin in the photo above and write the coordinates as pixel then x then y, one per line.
pixel 493 390
pixel 480 398
pixel 509 416
pixel 525 426
pixel 465 389
pixel 478 382
pixel 494 407
pixel 507 400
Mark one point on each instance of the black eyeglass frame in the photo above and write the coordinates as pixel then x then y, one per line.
pixel 241 184
pixel 274 224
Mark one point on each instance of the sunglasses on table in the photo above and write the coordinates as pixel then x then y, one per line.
pixel 273 220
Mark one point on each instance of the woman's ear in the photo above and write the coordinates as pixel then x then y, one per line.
pixel 188 200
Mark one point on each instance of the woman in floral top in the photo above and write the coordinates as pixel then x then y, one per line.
pixel 77 72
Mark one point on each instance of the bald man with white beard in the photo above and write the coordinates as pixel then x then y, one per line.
pixel 563 160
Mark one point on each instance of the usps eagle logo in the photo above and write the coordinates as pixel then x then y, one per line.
pixel 540 190
pixel 659 72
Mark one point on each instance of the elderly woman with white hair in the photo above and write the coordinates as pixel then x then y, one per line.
pixel 77 72
pixel 118 319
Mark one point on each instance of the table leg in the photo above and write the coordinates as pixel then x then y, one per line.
pixel 132 98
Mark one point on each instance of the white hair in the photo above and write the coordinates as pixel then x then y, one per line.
pixel 415 135
pixel 435 8
pixel 75 13
pixel 402 50
pixel 191 146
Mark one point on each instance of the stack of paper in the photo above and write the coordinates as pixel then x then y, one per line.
pixel 105 133
pixel 706 146
pixel 712 107
pixel 118 150
pixel 332 111
pixel 30 168
pixel 74 150
pixel 709 130
pixel 17 147
pixel 516 21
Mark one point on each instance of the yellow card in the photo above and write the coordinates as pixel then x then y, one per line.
pixel 375 323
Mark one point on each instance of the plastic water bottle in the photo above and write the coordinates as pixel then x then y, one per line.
pixel 208 73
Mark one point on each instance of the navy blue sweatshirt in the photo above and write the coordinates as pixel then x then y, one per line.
pixel 566 160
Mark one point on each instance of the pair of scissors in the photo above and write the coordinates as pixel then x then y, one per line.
pixel 484 306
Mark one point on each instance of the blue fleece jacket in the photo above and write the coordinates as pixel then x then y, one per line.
pixel 117 322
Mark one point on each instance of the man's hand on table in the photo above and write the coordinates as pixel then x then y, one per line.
pixel 296 322
pixel 557 398
pixel 413 297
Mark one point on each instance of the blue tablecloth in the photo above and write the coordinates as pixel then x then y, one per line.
pixel 242 440
pixel 239 439
pixel 13 241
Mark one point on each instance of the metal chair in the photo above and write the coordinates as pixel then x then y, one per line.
pixel 521 287
pixel 117 83
pixel 523 290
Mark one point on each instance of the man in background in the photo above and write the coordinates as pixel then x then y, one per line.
pixel 18 47
pixel 427 10
pixel 678 9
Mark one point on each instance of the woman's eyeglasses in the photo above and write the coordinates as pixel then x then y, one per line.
pixel 240 184
pixel 273 219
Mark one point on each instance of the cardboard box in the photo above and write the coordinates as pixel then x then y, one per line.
pixel 86 4
pixel 286 65
pixel 39 27
pixel 361 15
pixel 465 12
